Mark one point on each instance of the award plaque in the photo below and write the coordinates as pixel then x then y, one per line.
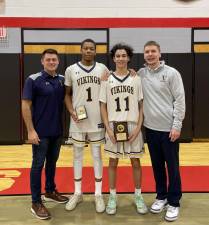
pixel 120 131
pixel 81 112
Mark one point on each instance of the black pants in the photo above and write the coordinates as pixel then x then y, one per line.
pixel 165 153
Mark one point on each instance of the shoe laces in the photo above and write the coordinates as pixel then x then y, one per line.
pixel 171 208
pixel 159 202
pixel 41 206
pixel 75 197
pixel 99 199
pixel 139 201
pixel 112 201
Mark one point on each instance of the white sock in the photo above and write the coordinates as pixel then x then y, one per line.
pixel 138 191
pixel 77 162
pixel 97 160
pixel 98 188
pixel 113 191
pixel 78 187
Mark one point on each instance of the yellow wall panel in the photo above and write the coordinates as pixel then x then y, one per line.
pixel 201 48
pixel 62 49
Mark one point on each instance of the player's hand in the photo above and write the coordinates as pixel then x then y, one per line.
pixel 111 135
pixel 33 137
pixel 174 134
pixel 105 75
pixel 132 136
pixel 74 116
pixel 133 73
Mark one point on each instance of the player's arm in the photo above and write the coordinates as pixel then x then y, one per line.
pixel 69 104
pixel 105 75
pixel 27 116
pixel 133 72
pixel 103 108
pixel 140 120
pixel 136 131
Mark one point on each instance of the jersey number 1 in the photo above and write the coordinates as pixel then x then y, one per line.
pixel 118 109
pixel 89 99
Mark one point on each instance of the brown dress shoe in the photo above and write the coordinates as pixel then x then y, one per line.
pixel 55 196
pixel 40 211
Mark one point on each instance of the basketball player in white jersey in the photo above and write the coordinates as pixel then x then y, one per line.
pixel 82 81
pixel 121 100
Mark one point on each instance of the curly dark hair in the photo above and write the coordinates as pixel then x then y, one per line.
pixel 129 50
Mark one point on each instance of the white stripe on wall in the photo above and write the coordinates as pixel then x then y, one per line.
pixel 172 40
pixel 64 36
pixel 201 35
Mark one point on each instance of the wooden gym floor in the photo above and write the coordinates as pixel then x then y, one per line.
pixel 15 210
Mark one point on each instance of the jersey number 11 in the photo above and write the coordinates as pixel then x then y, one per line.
pixel 117 100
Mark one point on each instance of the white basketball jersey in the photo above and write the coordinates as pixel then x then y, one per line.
pixel 85 83
pixel 122 95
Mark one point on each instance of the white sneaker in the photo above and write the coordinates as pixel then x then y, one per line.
pixel 140 205
pixel 172 213
pixel 99 203
pixel 73 201
pixel 111 205
pixel 158 206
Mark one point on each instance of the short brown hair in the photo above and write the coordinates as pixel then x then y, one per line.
pixel 152 43
pixel 49 51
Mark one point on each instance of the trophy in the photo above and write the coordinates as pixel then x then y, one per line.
pixel 120 131
pixel 81 112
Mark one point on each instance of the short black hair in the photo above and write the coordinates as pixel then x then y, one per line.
pixel 49 51
pixel 149 43
pixel 129 50
pixel 88 40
